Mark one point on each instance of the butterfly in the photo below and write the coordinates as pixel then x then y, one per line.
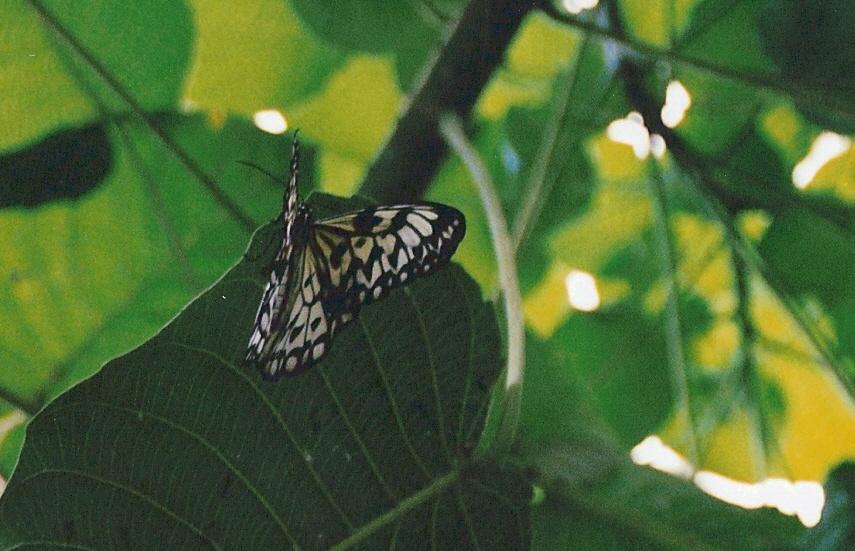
pixel 326 269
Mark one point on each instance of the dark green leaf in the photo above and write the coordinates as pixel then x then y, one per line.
pixel 86 280
pixel 176 445
pixel 64 165
pixel 812 42
pixel 815 260
pixel 726 31
pixel 555 402
pixel 614 504
pixel 836 530
pixel 409 30
pixel 618 358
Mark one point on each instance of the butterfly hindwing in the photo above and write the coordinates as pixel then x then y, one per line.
pixel 269 317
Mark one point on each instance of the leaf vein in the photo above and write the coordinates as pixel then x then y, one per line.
pixel 368 458
pixel 119 486
pixel 391 398
pixel 278 417
pixel 434 382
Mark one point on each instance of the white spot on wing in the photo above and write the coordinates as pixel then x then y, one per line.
pixel 384 262
pixel 402 260
pixel 363 250
pixel 387 243
pixel 317 311
pixel 421 225
pixel 408 236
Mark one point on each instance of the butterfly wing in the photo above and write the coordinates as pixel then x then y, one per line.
pixel 355 259
pixel 308 329
pixel 367 253
pixel 271 311
pixel 269 316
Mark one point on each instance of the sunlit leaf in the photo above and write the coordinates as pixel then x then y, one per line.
pixel 115 264
pixel 146 49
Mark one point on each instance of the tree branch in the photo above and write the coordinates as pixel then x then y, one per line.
pixel 451 82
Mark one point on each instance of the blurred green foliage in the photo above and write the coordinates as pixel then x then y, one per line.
pixel 727 314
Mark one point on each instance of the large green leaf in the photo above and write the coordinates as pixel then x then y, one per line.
pixel 408 30
pixel 177 445
pixel 255 55
pixel 810 42
pixel 618 358
pixel 145 48
pixel 795 246
pixel 115 264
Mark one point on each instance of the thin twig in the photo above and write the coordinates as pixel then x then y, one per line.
pixel 665 253
pixel 747 366
pixel 201 176
pixel 452 130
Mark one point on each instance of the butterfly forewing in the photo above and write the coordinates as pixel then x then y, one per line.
pixel 346 261
pixel 369 252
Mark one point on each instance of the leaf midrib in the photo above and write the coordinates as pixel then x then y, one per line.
pixel 407 504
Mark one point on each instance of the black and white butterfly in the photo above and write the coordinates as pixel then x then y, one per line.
pixel 325 270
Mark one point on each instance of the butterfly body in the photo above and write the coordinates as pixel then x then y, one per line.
pixel 326 269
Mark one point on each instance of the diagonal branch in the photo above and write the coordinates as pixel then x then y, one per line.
pixel 451 82
pixel 666 254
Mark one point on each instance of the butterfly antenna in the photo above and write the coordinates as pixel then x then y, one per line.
pixel 290 200
pixel 262 170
